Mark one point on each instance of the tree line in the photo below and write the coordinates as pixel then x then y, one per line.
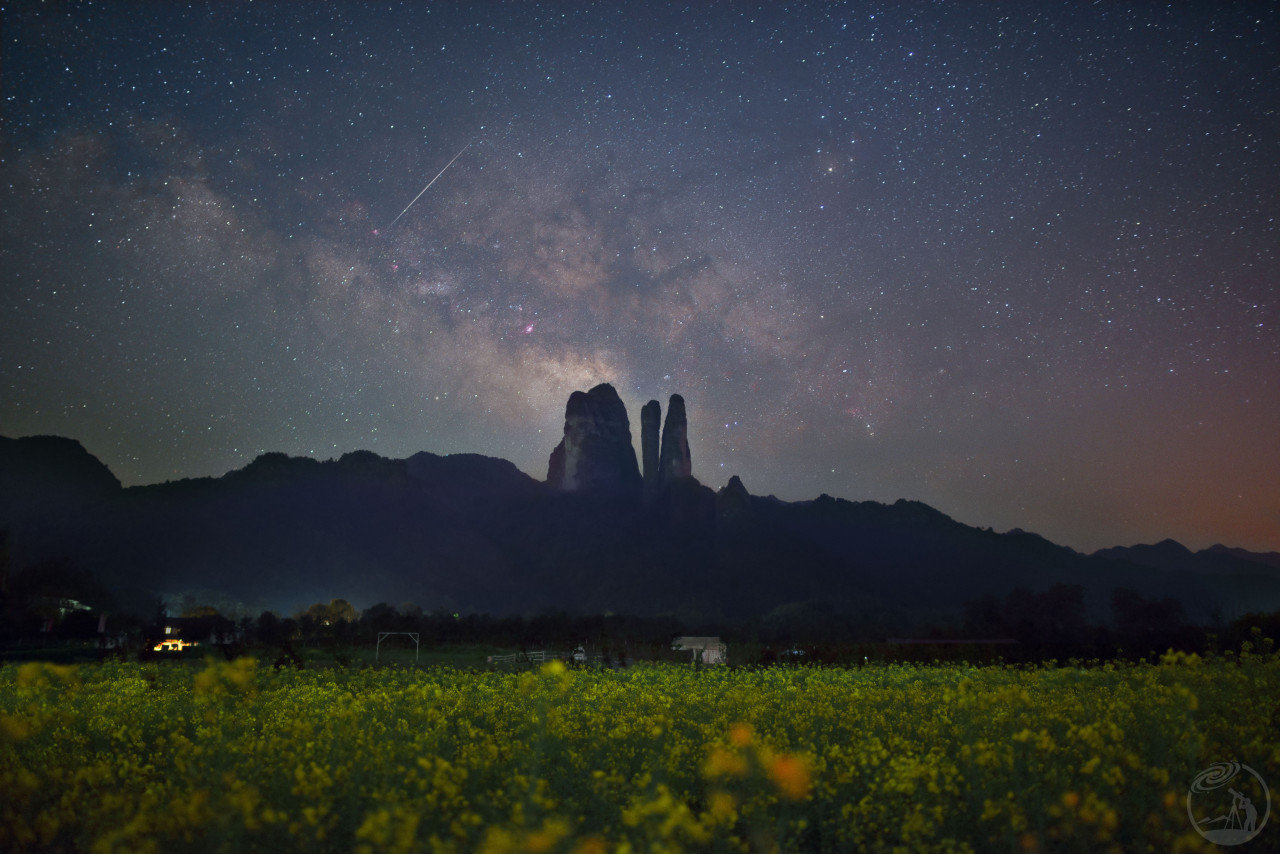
pixel 59 602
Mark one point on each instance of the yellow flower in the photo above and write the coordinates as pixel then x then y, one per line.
pixel 39 674
pixel 722 763
pixel 722 807
pixel 791 775
pixel 591 845
pixel 13 729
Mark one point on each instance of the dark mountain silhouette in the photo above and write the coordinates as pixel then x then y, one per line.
pixel 1268 559
pixel 45 475
pixel 472 533
pixel 1241 581
pixel 1215 560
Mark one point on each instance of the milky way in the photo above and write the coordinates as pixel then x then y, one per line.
pixel 1018 261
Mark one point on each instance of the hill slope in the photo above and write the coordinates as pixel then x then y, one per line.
pixel 472 533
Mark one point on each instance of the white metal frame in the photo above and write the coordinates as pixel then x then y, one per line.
pixel 416 646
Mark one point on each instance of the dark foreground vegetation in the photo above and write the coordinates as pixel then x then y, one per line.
pixel 43 619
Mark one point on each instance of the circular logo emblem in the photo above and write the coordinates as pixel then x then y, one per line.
pixel 1228 803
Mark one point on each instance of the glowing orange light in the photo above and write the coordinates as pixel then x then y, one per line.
pixel 174 645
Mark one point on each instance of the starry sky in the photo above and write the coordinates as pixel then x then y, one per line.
pixel 1015 260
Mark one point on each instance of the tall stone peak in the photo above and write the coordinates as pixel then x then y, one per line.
pixel 596 454
pixel 674 461
pixel 733 501
pixel 650 420
pixel 735 490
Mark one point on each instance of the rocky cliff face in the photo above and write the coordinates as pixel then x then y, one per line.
pixel 596 454
pixel 674 462
pixel 650 420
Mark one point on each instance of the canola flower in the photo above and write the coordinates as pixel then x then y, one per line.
pixel 237 757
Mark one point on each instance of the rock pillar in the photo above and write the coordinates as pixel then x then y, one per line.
pixel 674 461
pixel 596 454
pixel 650 419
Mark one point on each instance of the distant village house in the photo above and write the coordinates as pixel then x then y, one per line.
pixel 707 650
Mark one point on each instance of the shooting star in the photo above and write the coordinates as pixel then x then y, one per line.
pixel 428 187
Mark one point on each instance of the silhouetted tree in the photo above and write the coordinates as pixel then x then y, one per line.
pixel 1242 629
pixel 337 611
pixel 381 618
pixel 342 611
pixel 269 629
pixel 1139 617
pixel 1057 616
pixel 1065 615
pixel 985 618
pixel 4 566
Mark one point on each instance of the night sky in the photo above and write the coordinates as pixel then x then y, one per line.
pixel 1017 261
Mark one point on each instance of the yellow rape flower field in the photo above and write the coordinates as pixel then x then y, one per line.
pixel 237 757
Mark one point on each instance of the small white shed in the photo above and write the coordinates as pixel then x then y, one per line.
pixel 708 650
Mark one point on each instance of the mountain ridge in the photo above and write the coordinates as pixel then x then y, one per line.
pixel 468 532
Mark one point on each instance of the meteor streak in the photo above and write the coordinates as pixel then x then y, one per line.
pixel 428 187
